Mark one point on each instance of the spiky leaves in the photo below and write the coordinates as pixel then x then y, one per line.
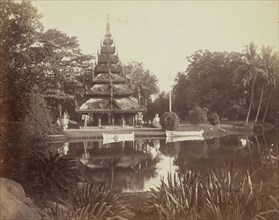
pixel 96 203
pixel 216 196
pixel 46 172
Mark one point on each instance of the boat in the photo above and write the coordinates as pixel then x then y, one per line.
pixel 175 136
pixel 171 139
pixel 183 133
pixel 113 138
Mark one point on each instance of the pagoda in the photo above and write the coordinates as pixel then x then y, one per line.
pixel 110 99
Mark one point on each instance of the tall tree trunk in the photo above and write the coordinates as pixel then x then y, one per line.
pixel 251 101
pixel 267 105
pixel 260 103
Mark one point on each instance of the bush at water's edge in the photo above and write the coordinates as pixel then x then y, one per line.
pixel 169 121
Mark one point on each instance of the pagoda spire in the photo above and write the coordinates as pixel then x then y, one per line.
pixel 108 26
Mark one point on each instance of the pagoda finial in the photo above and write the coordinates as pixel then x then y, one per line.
pixel 108 26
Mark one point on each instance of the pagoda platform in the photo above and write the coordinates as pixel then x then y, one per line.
pixel 95 133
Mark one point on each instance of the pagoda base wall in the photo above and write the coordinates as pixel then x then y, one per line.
pixel 118 119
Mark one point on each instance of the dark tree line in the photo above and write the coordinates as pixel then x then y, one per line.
pixel 235 85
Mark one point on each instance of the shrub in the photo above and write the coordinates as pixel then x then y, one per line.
pixel 214 196
pixel 47 173
pixel 213 118
pixel 93 202
pixel 197 116
pixel 38 121
pixel 169 121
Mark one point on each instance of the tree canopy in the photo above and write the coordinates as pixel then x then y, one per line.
pixel 225 82
pixel 207 83
pixel 142 81
pixel 47 62
pixel 18 54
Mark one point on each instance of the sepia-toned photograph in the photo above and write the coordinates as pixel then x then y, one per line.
pixel 139 110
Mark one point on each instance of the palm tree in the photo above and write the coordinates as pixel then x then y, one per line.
pixel 263 81
pixel 247 73
pixel 269 60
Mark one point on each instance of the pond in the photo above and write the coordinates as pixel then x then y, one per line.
pixel 137 166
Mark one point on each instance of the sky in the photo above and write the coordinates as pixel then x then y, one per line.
pixel 162 34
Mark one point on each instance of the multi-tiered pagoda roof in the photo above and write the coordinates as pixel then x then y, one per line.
pixel 110 92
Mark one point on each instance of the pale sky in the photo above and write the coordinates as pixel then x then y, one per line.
pixel 161 34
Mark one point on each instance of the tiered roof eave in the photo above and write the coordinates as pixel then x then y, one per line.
pixel 110 92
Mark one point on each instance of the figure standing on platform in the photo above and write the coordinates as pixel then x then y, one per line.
pixel 140 119
pixel 156 121
pixel 65 121
pixel 86 119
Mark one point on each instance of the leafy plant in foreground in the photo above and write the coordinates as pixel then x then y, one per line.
pixel 214 196
pixel 46 172
pixel 178 198
pixel 91 202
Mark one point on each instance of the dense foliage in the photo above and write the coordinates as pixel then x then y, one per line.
pixel 142 81
pixel 215 196
pixel 37 122
pixel 37 63
pixel 93 202
pixel 206 83
pixel 234 85
pixel 158 106
pixel 41 73
pixel 169 121
pixel 197 116
pixel 46 173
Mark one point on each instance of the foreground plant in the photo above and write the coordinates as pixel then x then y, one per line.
pixel 223 196
pixel 47 173
pixel 91 202
pixel 179 198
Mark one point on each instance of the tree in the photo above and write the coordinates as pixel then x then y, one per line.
pixel 262 80
pixel 38 123
pixel 141 80
pixel 160 105
pixel 49 62
pixel 18 55
pixel 269 63
pixel 207 83
pixel 63 67
pixel 62 62
pixel 181 90
pixel 248 72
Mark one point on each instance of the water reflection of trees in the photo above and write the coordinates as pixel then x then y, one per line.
pixel 257 155
pixel 263 156
pixel 128 165
pixel 170 149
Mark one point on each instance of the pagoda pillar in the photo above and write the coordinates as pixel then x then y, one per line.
pixel 99 120
pixel 109 118
pixel 122 120
pixel 112 119
pixel 133 119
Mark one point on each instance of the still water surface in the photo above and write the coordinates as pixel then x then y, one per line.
pixel 137 166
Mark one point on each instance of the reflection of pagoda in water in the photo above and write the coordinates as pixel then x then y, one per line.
pixel 111 99
pixel 124 165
